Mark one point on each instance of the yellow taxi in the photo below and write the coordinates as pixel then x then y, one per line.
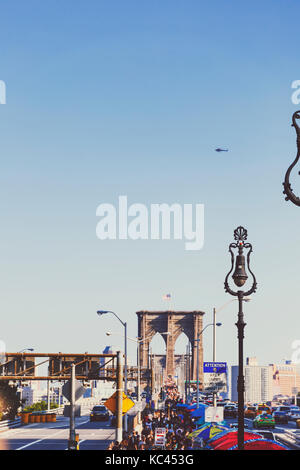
pixel 262 408
pixel 250 411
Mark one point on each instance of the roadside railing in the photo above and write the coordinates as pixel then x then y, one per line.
pixel 290 438
pixel 10 424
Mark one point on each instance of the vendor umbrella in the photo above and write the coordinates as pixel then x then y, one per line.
pixel 255 444
pixel 229 438
pixel 207 431
pixel 191 407
pixel 198 411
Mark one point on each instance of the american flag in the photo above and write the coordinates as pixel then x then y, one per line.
pixel 167 297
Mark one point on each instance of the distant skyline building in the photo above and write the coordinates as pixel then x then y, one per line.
pixel 286 378
pixel 258 382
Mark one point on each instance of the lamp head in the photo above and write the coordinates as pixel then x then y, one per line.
pixel 240 276
pixel 219 324
pixel 102 312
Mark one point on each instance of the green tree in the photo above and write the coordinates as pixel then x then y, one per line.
pixel 9 400
pixel 40 406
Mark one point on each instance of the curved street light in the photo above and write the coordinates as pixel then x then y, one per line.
pixel 103 312
pixel 240 277
pixel 290 195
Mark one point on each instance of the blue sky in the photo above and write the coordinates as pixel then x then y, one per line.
pixel 113 98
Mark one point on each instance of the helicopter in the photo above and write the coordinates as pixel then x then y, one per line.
pixel 221 150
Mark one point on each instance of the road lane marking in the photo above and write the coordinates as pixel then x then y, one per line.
pixel 30 444
pixel 40 440
pixel 49 435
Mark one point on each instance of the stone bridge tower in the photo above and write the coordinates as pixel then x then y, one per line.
pixel 190 323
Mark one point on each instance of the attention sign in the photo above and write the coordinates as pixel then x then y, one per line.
pixel 215 367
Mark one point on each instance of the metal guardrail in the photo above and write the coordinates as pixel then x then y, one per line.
pixel 58 411
pixel 290 438
pixel 9 424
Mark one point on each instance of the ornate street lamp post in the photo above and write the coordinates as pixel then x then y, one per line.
pixel 240 277
pixel 290 196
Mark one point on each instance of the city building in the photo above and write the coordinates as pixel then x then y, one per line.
pixel 286 379
pixel 258 382
pixel 36 391
pixel 31 392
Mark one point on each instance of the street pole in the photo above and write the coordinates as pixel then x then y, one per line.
pixel 72 436
pixel 188 371
pixel 241 386
pixel 198 370
pixel 190 368
pixel 214 351
pixel 103 312
pixel 48 395
pixel 185 374
pixel 119 397
pixel 139 380
pixel 152 381
pixel 240 277
pixel 125 374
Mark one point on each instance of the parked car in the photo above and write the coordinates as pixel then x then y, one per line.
pixel 295 416
pixel 99 413
pixel 294 413
pixel 222 403
pixel 262 408
pixel 280 414
pixel 250 412
pixel 236 426
pixel 264 420
pixel 230 411
pixel 293 409
pixel 285 408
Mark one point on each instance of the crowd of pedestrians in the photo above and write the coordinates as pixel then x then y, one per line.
pixel 177 423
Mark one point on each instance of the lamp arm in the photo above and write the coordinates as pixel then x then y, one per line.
pixel 226 284
pixel 254 285
pixel 206 326
pixel 286 184
pixel 110 311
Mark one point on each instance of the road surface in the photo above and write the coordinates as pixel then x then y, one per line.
pixel 54 436
pixel 278 431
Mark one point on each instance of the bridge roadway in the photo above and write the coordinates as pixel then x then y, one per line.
pixel 93 435
pixel 54 436
pixel 278 431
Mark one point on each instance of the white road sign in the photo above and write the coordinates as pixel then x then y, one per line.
pixel 214 414
pixel 160 437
